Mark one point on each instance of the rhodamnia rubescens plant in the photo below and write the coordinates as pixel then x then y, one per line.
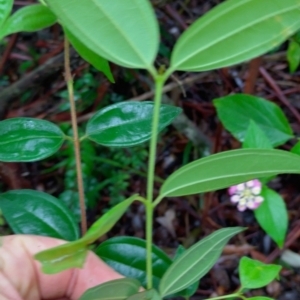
pixel 126 33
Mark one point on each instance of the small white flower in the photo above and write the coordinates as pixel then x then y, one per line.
pixel 246 195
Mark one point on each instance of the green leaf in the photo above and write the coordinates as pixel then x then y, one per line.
pixel 293 55
pixel 196 261
pixel 146 295
pixel 72 255
pixel 34 212
pixel 108 220
pixel 256 138
pixel 127 255
pixel 228 168
pixel 61 258
pixel 5 9
pixel 127 123
pixel 269 213
pixel 125 33
pixel 255 274
pixel 113 290
pixel 296 148
pixel 191 290
pixel 90 56
pixel 236 111
pixel 29 18
pixel 233 32
pixel 27 139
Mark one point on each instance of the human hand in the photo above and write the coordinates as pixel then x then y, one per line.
pixel 21 277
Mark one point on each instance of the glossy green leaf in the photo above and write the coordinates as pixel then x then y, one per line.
pixel 127 255
pixel 190 290
pixel 272 216
pixel 125 33
pixel 228 168
pixel 26 139
pixel 5 9
pixel 146 295
pixel 236 111
pixel 113 290
pixel 256 138
pixel 90 56
pixel 29 18
pixel 255 274
pixel 293 55
pixel 196 261
pixel 127 123
pixel 235 31
pixel 34 212
pixel 72 255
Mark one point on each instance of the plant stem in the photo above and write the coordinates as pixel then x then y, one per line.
pixel 159 83
pixel 69 81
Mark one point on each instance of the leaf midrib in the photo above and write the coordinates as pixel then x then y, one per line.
pixel 30 138
pixel 115 25
pixel 129 122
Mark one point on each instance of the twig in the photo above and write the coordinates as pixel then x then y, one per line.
pixel 252 75
pixel 184 125
pixel 30 81
pixel 167 88
pixel 279 92
pixel 69 81
pixel 7 51
pixel 149 95
pixel 291 238
pixel 176 16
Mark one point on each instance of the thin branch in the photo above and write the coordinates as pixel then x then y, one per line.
pixel 279 92
pixel 69 81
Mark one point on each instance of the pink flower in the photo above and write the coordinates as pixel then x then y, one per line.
pixel 246 195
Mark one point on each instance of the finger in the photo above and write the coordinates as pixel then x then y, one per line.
pixel 21 276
